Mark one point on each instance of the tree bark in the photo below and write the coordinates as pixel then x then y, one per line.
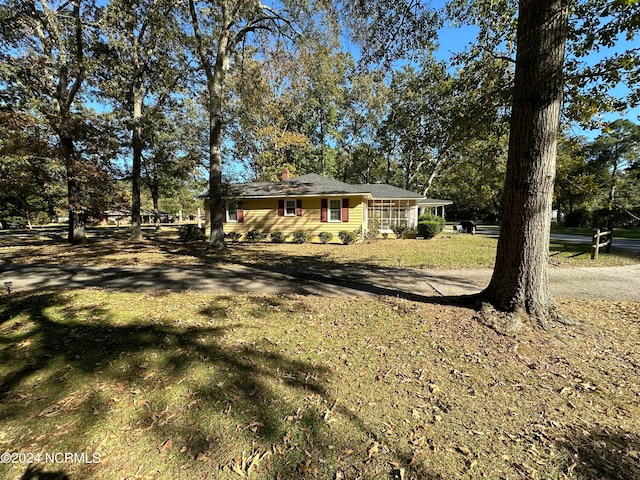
pixel 155 197
pixel 136 165
pixel 215 86
pixel 215 74
pixel 520 278
pixel 77 217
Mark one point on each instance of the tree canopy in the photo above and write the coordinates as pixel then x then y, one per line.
pixel 162 91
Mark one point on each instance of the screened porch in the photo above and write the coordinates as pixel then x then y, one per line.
pixel 383 215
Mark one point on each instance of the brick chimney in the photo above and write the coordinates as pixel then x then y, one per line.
pixel 285 174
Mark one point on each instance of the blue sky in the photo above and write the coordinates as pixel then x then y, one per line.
pixel 455 39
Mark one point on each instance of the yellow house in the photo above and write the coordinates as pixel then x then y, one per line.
pixel 314 204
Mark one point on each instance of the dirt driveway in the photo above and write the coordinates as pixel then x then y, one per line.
pixel 605 283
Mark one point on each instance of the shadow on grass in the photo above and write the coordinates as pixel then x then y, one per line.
pixel 37 473
pixel 582 251
pixel 603 454
pixel 323 274
pixel 64 361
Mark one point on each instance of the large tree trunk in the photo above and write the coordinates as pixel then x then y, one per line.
pixel 77 217
pixel 215 85
pixel 136 166
pixel 520 279
pixel 216 233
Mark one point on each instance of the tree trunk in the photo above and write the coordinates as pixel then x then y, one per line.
pixel 77 218
pixel 155 197
pixel 216 94
pixel 136 167
pixel 520 278
pixel 216 234
pixel 215 88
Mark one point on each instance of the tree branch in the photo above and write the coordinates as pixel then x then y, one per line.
pixel 79 56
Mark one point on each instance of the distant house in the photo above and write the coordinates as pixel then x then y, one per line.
pixel 120 217
pixel 315 204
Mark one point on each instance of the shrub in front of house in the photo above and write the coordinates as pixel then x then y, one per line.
pixel 430 217
pixel 253 236
pixel 278 237
pixel 300 236
pixel 347 238
pixel 369 235
pixel 400 230
pixel 325 237
pixel 190 233
pixel 233 236
pixel 429 229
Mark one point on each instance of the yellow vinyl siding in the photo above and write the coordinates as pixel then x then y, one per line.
pixel 261 214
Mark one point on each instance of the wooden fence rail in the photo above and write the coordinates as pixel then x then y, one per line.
pixel 597 242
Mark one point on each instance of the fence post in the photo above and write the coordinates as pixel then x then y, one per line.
pixel 595 244
pixel 607 249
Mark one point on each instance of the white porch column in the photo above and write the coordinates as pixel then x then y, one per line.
pixel 413 218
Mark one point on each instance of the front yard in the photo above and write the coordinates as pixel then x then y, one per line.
pixel 110 247
pixel 167 385
pixel 194 386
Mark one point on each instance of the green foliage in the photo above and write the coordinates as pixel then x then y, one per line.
pixel 577 218
pixel 429 229
pixel 300 236
pixel 325 237
pixel 233 236
pixel 253 236
pixel 369 235
pixel 400 230
pixel 347 238
pixel 596 182
pixel 278 237
pixel 430 217
pixel 434 120
pixel 190 233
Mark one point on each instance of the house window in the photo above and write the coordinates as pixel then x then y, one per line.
pixel 290 208
pixel 335 210
pixel 232 211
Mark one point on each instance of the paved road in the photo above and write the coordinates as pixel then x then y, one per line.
pixel 607 283
pixel 621 243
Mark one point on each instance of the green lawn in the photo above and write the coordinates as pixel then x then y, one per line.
pixel 193 386
pixel 630 233
pixel 443 252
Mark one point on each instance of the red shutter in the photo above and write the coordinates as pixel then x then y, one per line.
pixel 324 214
pixel 281 208
pixel 345 209
pixel 240 212
pixel 298 207
pixel 224 213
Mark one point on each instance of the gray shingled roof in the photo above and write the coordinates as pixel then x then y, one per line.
pixel 313 184
pixel 383 190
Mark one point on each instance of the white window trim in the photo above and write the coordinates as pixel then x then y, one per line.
pixel 329 219
pixel 286 213
pixel 229 219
